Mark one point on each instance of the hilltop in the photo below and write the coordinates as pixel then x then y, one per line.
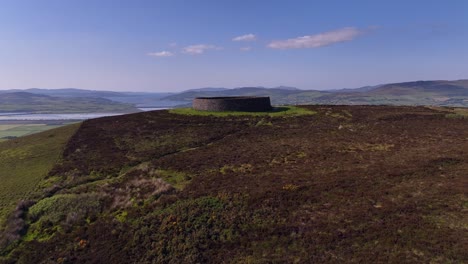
pixel 334 184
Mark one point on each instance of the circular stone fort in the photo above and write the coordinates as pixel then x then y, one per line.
pixel 233 103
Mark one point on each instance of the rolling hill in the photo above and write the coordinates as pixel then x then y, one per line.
pixel 354 184
pixel 138 99
pixel 441 93
pixel 66 92
pixel 279 96
pixel 39 103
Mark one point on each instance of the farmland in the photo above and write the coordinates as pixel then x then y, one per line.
pixel 27 128
pixel 375 184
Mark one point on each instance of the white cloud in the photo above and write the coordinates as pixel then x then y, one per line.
pixel 161 54
pixel 245 48
pixel 199 49
pixel 248 37
pixel 318 40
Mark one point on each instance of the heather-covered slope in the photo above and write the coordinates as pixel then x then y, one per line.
pixel 347 184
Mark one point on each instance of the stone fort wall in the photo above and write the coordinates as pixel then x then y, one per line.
pixel 237 103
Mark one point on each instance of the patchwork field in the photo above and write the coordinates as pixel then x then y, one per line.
pixel 14 129
pixel 7 131
pixel 345 184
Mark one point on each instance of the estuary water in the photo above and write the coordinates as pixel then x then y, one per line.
pixel 34 117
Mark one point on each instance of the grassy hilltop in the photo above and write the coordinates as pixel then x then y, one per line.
pixel 332 184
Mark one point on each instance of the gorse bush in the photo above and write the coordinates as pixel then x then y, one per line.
pixel 185 230
pixel 57 207
pixel 62 212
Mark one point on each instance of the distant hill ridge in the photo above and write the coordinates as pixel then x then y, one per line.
pixel 435 92
pixel 66 92
pixel 441 92
pixel 40 103
pixel 137 99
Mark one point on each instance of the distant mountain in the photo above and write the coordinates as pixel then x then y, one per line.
pixel 277 95
pixel 428 88
pixel 139 99
pixel 68 92
pixel 443 93
pixel 287 88
pixel 40 103
pixel 439 92
pixel 354 90
pixel 208 89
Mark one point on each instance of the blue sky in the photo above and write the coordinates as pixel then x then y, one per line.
pixel 174 45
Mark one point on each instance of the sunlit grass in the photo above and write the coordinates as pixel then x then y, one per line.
pixel 458 113
pixel 276 112
pixel 25 161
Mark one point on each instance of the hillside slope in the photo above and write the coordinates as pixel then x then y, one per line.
pixel 25 161
pixel 352 184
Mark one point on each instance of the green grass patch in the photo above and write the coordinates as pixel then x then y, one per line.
pixel 243 168
pixel 264 122
pixel 276 112
pixel 6 127
pixel 458 113
pixel 177 179
pixel 368 147
pixel 25 161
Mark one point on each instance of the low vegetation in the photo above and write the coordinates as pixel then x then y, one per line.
pixel 347 184
pixel 461 113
